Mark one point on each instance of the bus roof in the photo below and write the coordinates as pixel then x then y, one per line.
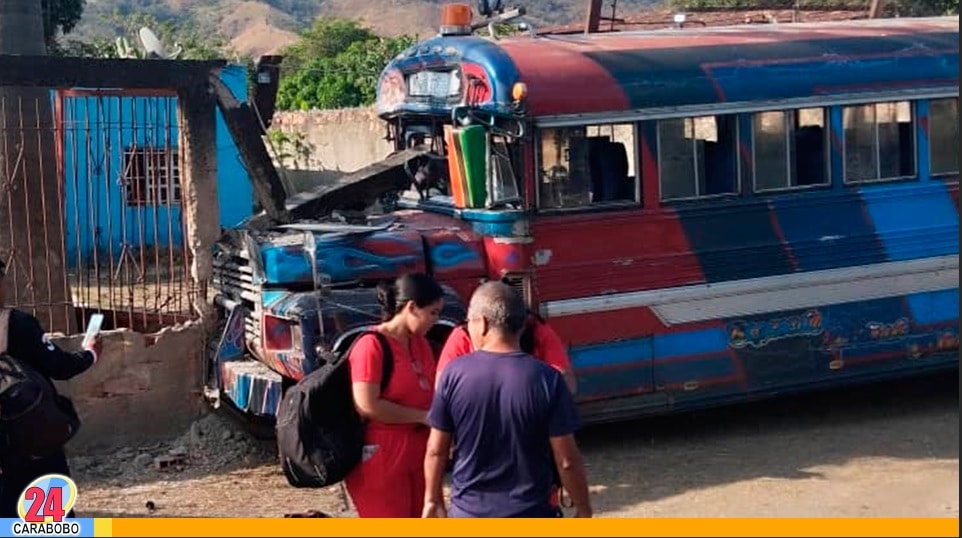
pixel 614 73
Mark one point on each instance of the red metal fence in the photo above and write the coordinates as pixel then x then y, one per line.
pixel 93 203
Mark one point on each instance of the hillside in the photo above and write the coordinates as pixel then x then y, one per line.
pixel 261 26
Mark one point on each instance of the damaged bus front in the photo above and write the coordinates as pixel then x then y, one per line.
pixel 296 293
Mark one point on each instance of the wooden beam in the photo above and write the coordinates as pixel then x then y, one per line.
pixel 358 189
pixel 61 72
pixel 268 72
pixel 198 120
pixel 241 120
pixel 593 16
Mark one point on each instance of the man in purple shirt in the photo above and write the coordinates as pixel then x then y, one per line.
pixel 507 413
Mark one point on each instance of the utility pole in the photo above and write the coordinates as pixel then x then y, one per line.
pixel 875 9
pixel 593 17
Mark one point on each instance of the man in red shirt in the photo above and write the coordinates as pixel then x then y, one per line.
pixel 547 347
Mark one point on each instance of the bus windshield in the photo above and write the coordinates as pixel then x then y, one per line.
pixel 471 163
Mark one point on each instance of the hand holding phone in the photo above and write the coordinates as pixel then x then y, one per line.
pixel 90 341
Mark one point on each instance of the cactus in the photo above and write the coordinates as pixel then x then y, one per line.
pixel 124 50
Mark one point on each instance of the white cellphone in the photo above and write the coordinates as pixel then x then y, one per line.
pixel 93 328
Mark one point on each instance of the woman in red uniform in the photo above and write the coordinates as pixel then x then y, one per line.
pixel 389 481
pixel 548 347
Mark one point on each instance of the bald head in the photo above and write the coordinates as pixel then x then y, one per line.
pixel 501 306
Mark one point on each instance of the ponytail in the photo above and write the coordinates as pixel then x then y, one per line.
pixel 387 298
pixel 417 287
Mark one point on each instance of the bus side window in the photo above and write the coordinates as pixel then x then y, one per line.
pixel 811 147
pixel 587 166
pixel 879 142
pixel 611 162
pixel 944 136
pixel 697 157
pixel 789 149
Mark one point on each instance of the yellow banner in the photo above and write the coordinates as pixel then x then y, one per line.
pixel 526 527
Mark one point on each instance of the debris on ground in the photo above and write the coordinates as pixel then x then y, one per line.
pixel 720 464
pixel 169 462
pixel 187 474
pixel 212 443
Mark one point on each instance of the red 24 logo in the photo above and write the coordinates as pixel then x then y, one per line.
pixel 48 499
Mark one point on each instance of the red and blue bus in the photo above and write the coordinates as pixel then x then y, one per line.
pixel 707 213
pixel 703 215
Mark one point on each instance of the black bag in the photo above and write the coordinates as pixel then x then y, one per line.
pixel 320 435
pixel 34 419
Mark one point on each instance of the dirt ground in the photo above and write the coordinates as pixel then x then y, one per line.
pixel 885 450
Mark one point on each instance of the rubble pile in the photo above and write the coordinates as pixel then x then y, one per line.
pixel 211 443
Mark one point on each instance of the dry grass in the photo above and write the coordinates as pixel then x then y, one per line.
pixel 255 28
pixel 389 17
pixel 260 39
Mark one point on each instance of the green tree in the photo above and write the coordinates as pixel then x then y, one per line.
pixel 326 38
pixel 917 8
pixel 60 16
pixel 335 64
pixel 193 44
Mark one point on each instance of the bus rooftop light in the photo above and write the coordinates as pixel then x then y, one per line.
pixel 455 19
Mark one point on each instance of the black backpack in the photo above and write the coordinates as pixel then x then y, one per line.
pixel 34 419
pixel 320 435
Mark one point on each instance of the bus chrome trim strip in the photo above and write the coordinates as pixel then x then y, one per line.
pixel 776 293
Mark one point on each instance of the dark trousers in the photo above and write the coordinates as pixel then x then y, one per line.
pixel 549 511
pixel 19 472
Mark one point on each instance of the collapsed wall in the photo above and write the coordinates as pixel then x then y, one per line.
pixel 144 388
